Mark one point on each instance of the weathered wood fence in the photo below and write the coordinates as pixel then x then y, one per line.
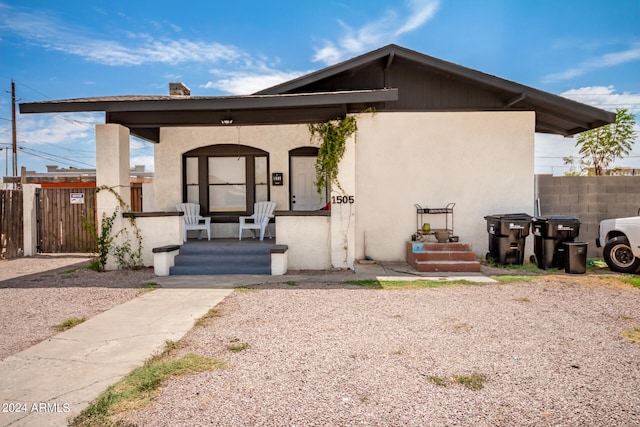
pixel 65 217
pixel 11 230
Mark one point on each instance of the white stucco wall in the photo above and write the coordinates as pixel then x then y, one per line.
pixel 481 161
pixel 308 239
pixel 171 227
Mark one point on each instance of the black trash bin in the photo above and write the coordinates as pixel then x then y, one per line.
pixel 575 257
pixel 549 234
pixel 507 235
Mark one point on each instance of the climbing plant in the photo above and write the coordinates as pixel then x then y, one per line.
pixel 333 134
pixel 125 255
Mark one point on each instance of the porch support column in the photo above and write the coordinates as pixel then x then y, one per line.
pixel 343 214
pixel 112 171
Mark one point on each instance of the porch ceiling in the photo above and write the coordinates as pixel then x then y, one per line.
pixel 144 115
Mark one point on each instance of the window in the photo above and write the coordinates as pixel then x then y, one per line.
pixel 227 184
pixel 226 179
pixel 191 180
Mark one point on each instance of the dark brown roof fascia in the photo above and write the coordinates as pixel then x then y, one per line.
pixel 155 103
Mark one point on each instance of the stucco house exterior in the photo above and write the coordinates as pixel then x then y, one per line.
pixel 440 133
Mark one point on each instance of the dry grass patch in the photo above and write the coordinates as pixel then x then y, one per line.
pixel 473 381
pixel 139 388
pixel 633 335
pixel 69 323
pixel 204 319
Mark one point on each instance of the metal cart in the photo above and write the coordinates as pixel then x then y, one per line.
pixel 422 235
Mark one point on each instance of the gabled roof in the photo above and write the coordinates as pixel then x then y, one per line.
pixel 426 83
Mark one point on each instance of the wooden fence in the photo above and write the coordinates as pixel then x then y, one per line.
pixel 64 218
pixel 11 231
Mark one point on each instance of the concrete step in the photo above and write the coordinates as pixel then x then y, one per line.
pixel 442 257
pixel 222 258
pixel 445 256
pixel 203 258
pixel 193 270
pixel 447 266
pixel 448 247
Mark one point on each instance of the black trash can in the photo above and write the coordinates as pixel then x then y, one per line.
pixel 549 234
pixel 575 257
pixel 507 235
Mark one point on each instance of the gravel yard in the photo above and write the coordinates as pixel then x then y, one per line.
pixel 547 352
pixel 550 351
pixel 37 293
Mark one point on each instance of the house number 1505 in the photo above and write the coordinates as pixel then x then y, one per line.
pixel 342 199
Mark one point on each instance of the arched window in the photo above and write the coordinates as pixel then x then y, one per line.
pixel 226 179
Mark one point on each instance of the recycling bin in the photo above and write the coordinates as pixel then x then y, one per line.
pixel 507 235
pixel 575 257
pixel 549 234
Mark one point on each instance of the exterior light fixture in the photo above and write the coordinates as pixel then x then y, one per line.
pixel 226 121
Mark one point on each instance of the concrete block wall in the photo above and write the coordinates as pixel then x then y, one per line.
pixel 591 199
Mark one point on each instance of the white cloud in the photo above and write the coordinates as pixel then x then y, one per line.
pixel 139 48
pixel 421 13
pixel 76 128
pixel 604 61
pixel 605 97
pixel 384 30
pixel 244 83
pixel 144 160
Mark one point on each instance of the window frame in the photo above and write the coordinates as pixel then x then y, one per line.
pixel 224 150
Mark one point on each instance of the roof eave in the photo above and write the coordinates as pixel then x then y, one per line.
pixel 211 103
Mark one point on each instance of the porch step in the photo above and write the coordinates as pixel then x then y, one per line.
pixel 205 258
pixel 447 266
pixel 442 257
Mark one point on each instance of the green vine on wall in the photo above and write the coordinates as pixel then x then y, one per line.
pixel 333 134
pixel 126 256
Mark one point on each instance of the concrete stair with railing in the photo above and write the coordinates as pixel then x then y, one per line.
pixel 428 257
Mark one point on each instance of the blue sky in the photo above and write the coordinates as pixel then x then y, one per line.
pixel 588 50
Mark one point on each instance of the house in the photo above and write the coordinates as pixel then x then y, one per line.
pixel 430 132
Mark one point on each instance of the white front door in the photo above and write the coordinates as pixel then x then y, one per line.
pixel 304 196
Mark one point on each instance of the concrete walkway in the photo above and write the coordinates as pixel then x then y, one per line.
pixel 53 381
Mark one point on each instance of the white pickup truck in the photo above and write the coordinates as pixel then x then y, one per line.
pixel 621 240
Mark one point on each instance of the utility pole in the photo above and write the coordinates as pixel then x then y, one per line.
pixel 14 139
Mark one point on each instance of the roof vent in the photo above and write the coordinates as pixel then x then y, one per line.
pixel 178 89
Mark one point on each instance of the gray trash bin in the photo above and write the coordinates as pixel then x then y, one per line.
pixel 575 258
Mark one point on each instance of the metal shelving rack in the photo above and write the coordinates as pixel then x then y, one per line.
pixel 446 211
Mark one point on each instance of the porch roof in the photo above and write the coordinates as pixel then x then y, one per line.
pixel 144 115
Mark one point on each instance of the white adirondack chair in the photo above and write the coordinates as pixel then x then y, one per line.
pixel 193 220
pixel 262 212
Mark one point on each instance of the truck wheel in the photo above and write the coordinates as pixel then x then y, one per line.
pixel 619 256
